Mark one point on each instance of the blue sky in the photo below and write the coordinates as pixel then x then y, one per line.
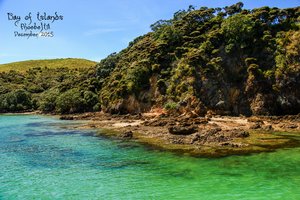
pixel 93 29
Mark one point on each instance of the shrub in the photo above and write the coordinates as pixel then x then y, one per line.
pixel 18 100
pixel 47 101
pixel 171 106
pixel 70 102
pixel 90 99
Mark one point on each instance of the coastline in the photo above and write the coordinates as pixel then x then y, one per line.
pixel 213 136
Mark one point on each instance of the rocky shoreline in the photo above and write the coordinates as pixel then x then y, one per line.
pixel 209 136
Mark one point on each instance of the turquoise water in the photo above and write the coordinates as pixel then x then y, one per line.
pixel 44 158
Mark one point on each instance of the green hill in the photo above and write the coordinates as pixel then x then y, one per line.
pixel 49 63
pixel 223 60
pixel 59 85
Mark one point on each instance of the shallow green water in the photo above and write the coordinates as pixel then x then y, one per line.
pixel 43 158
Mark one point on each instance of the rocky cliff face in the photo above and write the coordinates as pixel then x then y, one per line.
pixel 227 61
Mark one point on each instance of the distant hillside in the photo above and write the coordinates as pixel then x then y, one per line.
pixel 60 85
pixel 49 63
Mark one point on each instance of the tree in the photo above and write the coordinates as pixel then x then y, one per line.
pixel 70 101
pixel 159 24
pixel 106 66
pixel 90 99
pixel 233 9
pixel 238 31
pixel 47 102
pixel 18 100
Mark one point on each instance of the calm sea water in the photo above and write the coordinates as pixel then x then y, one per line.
pixel 44 158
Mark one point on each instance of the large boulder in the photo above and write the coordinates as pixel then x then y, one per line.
pixel 180 130
pixel 127 135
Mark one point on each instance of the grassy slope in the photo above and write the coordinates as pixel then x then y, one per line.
pixel 50 63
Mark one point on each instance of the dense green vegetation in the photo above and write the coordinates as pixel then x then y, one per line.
pixel 227 60
pixel 57 90
pixel 230 61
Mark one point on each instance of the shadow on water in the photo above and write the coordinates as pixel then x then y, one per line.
pixel 51 157
pixel 123 145
pixel 37 124
pixel 15 139
pixel 50 133
pixel 58 133
pixel 229 174
pixel 120 164
pixel 43 156
pixel 184 173
pixel 59 124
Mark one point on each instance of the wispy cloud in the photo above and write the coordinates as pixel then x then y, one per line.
pixel 102 30
pixel 110 26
